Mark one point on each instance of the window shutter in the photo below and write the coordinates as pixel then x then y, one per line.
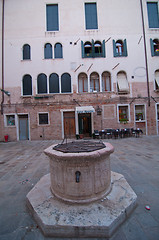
pixel 91 16
pixel 82 49
pixel 125 49
pixel 152 48
pixel 153 18
pixel 93 49
pixel 42 83
pixel 54 83
pixel 48 51
pixel 114 49
pixel 27 85
pixel 65 83
pixel 26 52
pixel 52 17
pixel 103 49
pixel 58 50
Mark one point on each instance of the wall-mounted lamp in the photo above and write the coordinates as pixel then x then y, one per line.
pixel 99 110
pixel 6 92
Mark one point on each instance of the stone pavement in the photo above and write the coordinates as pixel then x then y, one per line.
pixel 23 163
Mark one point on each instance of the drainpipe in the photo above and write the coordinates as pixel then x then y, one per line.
pixel 145 49
pixel 2 57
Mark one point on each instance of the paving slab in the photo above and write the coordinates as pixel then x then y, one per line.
pixel 22 164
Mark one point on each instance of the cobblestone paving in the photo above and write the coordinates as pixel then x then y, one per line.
pixel 22 164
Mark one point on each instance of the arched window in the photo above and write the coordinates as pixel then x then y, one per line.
pixel 93 49
pixel 98 49
pixel 94 82
pixel 27 85
pixel 120 48
pixel 122 82
pixel 106 81
pixel 26 52
pixel 65 83
pixel 82 83
pixel 88 49
pixel 54 83
pixel 58 50
pixel 42 83
pixel 154 47
pixel 48 51
pixel 157 80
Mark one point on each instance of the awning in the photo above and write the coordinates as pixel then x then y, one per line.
pixel 123 85
pixel 85 109
pixel 157 78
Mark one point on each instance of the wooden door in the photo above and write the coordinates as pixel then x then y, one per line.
pixel 69 124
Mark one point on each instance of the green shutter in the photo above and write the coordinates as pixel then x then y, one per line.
pixel 91 16
pixel 103 49
pixel 125 53
pixel 114 49
pixel 93 49
pixel 152 48
pixel 82 49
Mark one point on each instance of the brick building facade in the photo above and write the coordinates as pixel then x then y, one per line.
pixel 72 67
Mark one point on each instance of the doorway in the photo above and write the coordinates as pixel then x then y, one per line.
pixel 23 127
pixel 84 121
pixel 69 124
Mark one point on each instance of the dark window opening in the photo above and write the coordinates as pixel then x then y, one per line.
pixel 27 85
pixel 42 83
pixel 54 83
pixel 48 51
pixel 43 118
pixel 26 52
pixel 65 83
pixel 58 50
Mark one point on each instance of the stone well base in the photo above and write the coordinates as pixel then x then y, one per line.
pixel 97 219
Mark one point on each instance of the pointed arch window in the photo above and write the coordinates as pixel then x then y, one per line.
pixel 66 83
pixel 27 85
pixel 82 83
pixel 26 52
pixel 42 83
pixel 120 48
pixel 58 50
pixel 94 82
pixel 54 83
pixel 48 51
pixel 106 81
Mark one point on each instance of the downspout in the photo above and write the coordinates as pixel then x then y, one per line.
pixel 145 49
pixel 2 57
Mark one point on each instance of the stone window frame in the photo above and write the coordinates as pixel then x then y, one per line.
pixel 128 112
pixel 43 124
pixel 140 116
pixel 6 120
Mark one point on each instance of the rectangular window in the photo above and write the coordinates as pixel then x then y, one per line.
pixel 139 112
pixel 153 14
pixel 43 118
pixel 52 17
pixel 91 16
pixel 123 114
pixel 10 120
